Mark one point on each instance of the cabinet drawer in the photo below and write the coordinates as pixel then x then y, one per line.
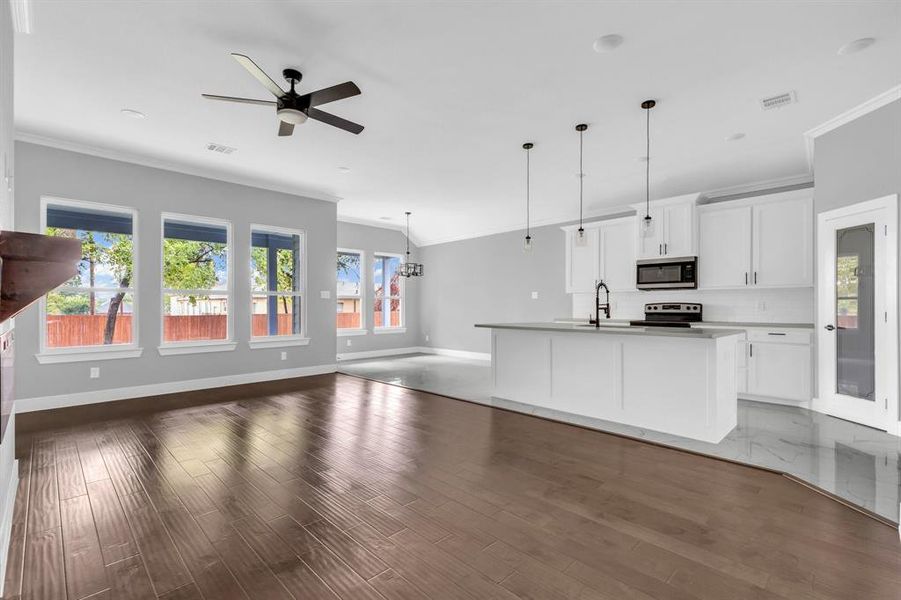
pixel 777 336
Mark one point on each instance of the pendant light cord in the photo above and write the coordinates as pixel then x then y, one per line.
pixel 408 237
pixel 528 198
pixel 647 164
pixel 581 177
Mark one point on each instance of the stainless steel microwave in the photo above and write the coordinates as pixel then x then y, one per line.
pixel 667 273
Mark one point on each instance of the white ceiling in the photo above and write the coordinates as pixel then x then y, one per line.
pixel 451 90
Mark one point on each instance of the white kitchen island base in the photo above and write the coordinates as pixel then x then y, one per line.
pixel 678 382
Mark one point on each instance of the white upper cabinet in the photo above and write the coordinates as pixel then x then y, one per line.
pixel 766 241
pixel 616 256
pixel 783 242
pixel 608 254
pixel 672 228
pixel 581 261
pixel 678 224
pixel 724 247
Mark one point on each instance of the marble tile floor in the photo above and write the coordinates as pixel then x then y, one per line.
pixel 856 463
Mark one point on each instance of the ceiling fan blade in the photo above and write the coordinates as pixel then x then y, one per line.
pixel 241 100
pixel 285 128
pixel 260 75
pixel 329 118
pixel 336 92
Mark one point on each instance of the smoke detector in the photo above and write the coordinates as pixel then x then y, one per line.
pixel 778 101
pixel 213 147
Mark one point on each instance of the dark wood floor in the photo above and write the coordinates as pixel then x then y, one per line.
pixel 347 488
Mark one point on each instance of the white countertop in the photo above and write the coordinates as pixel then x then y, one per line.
pixel 739 324
pixel 617 327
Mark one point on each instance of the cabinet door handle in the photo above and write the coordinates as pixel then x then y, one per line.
pixel 751 350
pixel 755 277
pixel 659 249
pixel 774 333
pixel 746 278
pixel 665 251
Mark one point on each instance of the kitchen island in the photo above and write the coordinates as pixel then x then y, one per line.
pixel 675 380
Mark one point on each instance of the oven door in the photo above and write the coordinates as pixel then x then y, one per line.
pixel 666 273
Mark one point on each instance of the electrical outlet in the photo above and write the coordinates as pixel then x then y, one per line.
pixel 95 372
pixel 350 342
pixel 284 356
pixel 426 337
pixel 534 295
pixel 325 294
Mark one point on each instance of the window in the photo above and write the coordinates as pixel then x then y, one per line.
pixel 96 308
pixel 350 290
pixel 388 287
pixel 847 278
pixel 276 282
pixel 196 280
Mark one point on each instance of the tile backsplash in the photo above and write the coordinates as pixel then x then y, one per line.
pixel 794 305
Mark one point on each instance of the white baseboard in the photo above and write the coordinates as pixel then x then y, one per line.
pixel 378 353
pixel 771 400
pixel 456 353
pixel 6 524
pixel 24 405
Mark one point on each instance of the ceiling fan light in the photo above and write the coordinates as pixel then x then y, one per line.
pixel 292 116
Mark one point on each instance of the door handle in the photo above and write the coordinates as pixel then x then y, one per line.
pixel 665 251
pixel 830 327
pixel 659 249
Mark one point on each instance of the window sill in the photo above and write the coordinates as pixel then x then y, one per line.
pixel 384 330
pixel 196 348
pixel 278 342
pixel 86 355
pixel 350 332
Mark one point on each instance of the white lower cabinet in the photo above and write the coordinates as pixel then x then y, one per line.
pixel 774 365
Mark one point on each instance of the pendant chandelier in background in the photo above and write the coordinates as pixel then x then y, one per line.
pixel 409 268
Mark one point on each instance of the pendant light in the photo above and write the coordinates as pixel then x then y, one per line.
pixel 581 238
pixel 527 242
pixel 409 268
pixel 647 223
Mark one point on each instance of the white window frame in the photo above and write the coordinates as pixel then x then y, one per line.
pixel 362 329
pixel 402 284
pixel 200 346
pixel 48 355
pixel 276 341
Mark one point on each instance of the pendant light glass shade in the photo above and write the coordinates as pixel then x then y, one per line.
pixel 409 268
pixel 647 223
pixel 581 237
pixel 527 241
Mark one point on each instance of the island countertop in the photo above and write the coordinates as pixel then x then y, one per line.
pixel 617 329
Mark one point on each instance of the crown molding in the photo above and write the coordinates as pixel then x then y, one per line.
pixel 759 187
pixel 22 12
pixel 146 161
pixel 890 95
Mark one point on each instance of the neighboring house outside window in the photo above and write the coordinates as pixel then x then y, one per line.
pixel 350 291
pixel 96 308
pixel 277 283
pixel 196 280
pixel 389 289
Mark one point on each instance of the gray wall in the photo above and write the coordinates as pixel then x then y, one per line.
pixel 490 279
pixel 859 161
pixel 7 447
pixel 52 172
pixel 371 240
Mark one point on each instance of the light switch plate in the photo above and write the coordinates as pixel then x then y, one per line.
pixel 325 294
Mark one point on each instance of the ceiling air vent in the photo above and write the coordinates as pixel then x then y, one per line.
pixel 778 101
pixel 220 148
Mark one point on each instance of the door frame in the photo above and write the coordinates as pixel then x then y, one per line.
pixel 886 359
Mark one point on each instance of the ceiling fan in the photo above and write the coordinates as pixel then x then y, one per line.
pixel 293 108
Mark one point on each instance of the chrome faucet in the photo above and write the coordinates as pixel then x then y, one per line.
pixel 598 307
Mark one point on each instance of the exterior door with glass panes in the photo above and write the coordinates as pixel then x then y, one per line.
pixel 857 312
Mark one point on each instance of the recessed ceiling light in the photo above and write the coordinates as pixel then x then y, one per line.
pixel 607 43
pixel 856 46
pixel 735 136
pixel 385 218
pixel 344 169
pixel 134 114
